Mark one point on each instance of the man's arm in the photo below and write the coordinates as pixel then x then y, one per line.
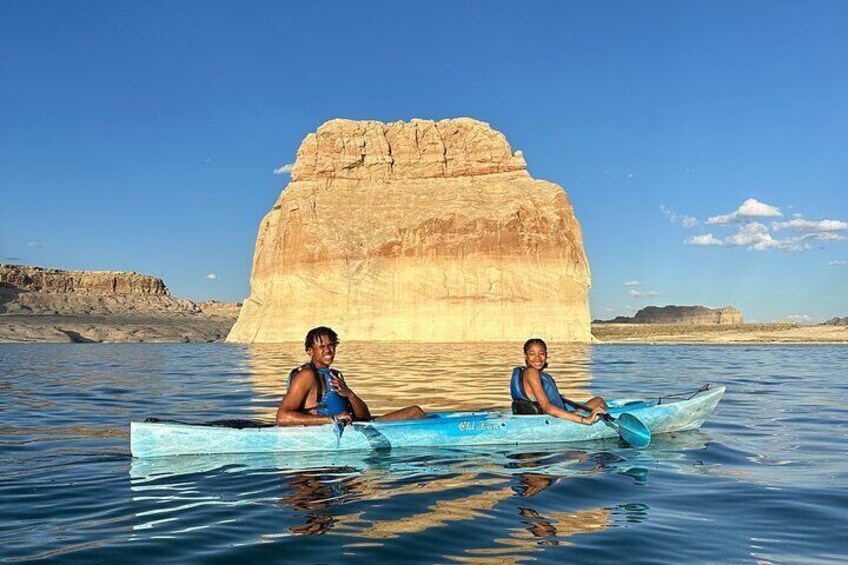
pixel 290 412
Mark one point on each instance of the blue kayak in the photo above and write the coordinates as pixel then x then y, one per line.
pixel 443 429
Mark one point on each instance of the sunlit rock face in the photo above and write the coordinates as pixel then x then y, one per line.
pixel 417 231
pixel 689 315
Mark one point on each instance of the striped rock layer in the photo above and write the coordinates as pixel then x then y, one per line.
pixel 417 231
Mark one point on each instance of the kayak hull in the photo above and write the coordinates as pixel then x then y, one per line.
pixel 447 429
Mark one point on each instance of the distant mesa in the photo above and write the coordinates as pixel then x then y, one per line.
pixel 42 279
pixel 39 290
pixel 836 322
pixel 417 231
pixel 42 304
pixel 686 315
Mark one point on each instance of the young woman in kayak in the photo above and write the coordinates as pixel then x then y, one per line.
pixel 535 392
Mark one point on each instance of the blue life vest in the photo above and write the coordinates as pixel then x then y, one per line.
pixel 331 402
pixel 516 388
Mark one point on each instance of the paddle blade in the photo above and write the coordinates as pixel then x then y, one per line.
pixel 633 431
pixel 338 430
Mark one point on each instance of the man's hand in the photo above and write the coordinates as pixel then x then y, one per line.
pixel 338 385
pixel 343 417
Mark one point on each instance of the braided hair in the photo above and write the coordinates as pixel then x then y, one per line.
pixel 319 332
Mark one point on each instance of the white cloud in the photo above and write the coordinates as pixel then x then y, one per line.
pixel 826 236
pixel 642 293
pixel 35 244
pixel 211 277
pixel 706 239
pixel 627 175
pixel 674 218
pixel 757 236
pixel 835 263
pixel 751 208
pixel 632 283
pixel 800 318
pixel 753 234
pixel 800 224
pixel 284 170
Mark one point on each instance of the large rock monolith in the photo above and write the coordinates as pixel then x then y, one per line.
pixel 417 231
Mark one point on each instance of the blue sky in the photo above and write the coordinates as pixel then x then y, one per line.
pixel 144 135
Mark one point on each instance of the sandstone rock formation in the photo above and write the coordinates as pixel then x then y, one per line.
pixel 687 315
pixel 39 279
pixel 38 304
pixel 418 231
pixel 38 290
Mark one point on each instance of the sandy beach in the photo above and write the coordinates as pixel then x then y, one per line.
pixel 738 333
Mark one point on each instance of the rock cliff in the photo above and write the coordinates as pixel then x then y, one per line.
pixel 38 290
pixel 40 304
pixel 417 231
pixel 687 315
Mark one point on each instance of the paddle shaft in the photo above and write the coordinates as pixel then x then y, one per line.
pixel 589 409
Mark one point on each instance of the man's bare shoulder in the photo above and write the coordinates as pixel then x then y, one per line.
pixel 305 376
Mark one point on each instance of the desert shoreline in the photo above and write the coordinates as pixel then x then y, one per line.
pixel 737 334
pixel 204 329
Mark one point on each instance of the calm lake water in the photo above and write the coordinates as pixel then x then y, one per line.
pixel 765 480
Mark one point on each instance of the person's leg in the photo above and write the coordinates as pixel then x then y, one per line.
pixel 408 413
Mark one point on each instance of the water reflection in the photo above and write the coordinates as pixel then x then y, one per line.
pixel 437 377
pixel 371 498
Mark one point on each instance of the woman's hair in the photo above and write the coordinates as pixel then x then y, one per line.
pixel 535 341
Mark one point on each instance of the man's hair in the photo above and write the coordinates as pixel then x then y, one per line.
pixel 535 341
pixel 319 332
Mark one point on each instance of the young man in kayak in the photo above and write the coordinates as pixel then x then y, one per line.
pixel 317 394
pixel 535 392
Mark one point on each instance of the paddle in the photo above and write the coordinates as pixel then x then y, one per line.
pixel 338 430
pixel 628 426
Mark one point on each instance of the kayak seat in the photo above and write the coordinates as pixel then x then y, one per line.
pixel 526 408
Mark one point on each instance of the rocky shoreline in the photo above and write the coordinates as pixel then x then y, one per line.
pixel 113 329
pixel 40 305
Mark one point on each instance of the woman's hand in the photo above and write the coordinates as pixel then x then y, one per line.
pixel 595 415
